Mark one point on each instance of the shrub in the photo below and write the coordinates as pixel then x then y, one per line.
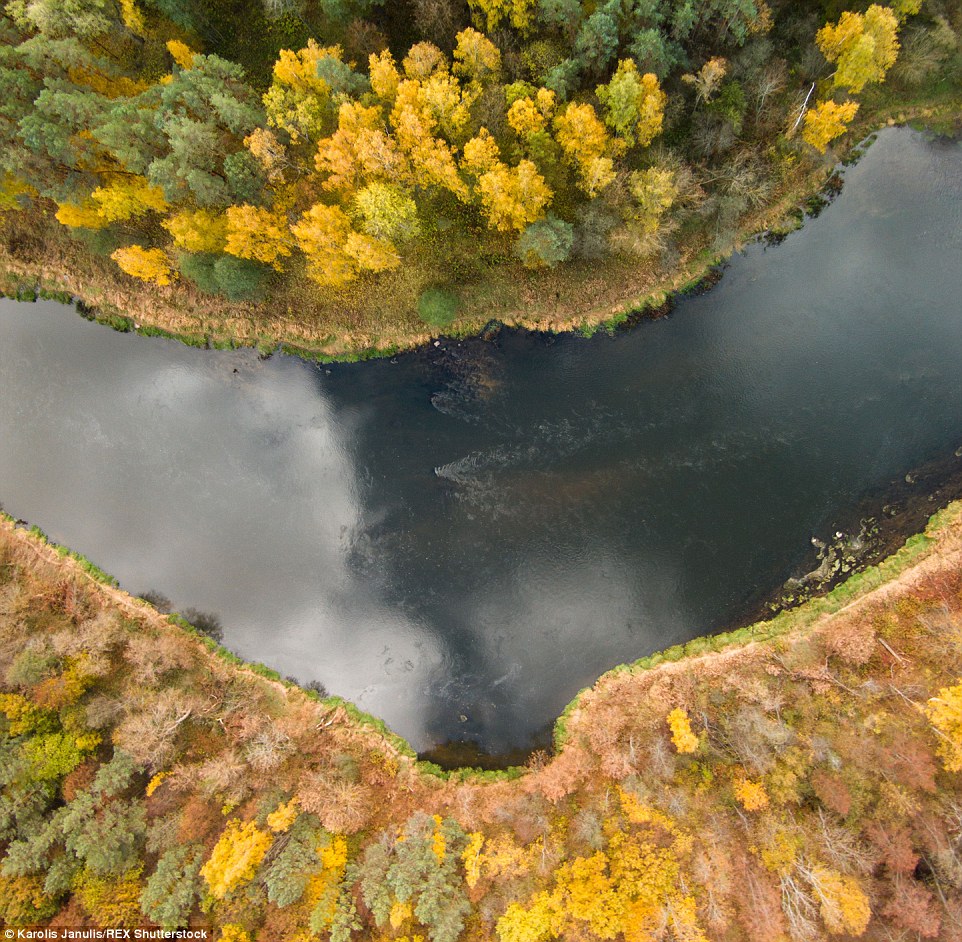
pixel 545 243
pixel 438 307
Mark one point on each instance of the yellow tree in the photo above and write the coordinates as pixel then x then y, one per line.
pixel 235 857
pixel 634 104
pixel 145 264
pixel 864 46
pixel 361 149
pixel 12 189
pixel 630 892
pixel 418 110
pixel 843 904
pixel 269 152
pixel 751 795
pixel 476 57
pixel 481 153
pixel 586 143
pixel 492 13
pixel 257 234
pixel 322 233
pixel 445 101
pixel 513 197
pixel 526 118
pixel 945 715
pixel 827 121
pixel 181 53
pixel 681 733
pixel 654 191
pixel 85 215
pixel 386 212
pixel 197 230
pixel 299 100
pixel 707 80
pixel 423 60
pixel 383 75
pixel 132 17
pixel 126 197
pixel 123 197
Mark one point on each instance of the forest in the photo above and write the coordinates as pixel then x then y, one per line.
pixel 797 780
pixel 332 153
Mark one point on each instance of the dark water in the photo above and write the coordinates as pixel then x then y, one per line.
pixel 458 540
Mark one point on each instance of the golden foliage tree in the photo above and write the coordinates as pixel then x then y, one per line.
pixel 145 264
pixel 513 197
pixel 268 151
pixel 181 53
pixel 12 189
pixel 420 109
pixel 684 739
pixel 299 100
pixel 481 153
pixel 122 197
pixel 751 795
pixel 112 902
pixel 586 143
pixel 128 196
pixel 945 715
pixel 321 233
pixel 864 46
pixel 383 75
pixel 197 230
pixel 630 891
pixel 476 57
pixel 707 80
pixel 492 13
pixel 827 121
pixel 654 191
pixel 235 858
pixel 360 149
pixel 257 234
pixel 525 118
pixel 843 905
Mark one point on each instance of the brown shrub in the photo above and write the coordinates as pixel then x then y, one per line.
pixel 832 792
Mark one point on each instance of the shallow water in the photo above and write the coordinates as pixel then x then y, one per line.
pixel 459 539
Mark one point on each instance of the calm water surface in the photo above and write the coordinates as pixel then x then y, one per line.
pixel 460 539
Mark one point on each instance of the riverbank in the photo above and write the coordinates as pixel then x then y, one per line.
pixel 754 741
pixel 38 257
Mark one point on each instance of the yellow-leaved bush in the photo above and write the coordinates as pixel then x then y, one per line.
pixel 685 741
pixel 945 715
pixel 235 858
pixel 145 264
pixel 827 121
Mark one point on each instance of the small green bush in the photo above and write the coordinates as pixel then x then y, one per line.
pixel 438 307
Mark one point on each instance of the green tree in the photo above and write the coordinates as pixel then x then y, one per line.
pixel 597 41
pixel 546 243
pixel 289 873
pixel 634 104
pixel 421 869
pixel 172 889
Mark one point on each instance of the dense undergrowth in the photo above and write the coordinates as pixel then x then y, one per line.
pixel 349 176
pixel 799 787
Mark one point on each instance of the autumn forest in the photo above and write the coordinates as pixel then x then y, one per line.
pixel 333 149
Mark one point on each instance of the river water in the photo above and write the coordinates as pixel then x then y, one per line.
pixel 460 538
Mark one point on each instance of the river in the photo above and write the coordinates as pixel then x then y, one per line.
pixel 460 538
